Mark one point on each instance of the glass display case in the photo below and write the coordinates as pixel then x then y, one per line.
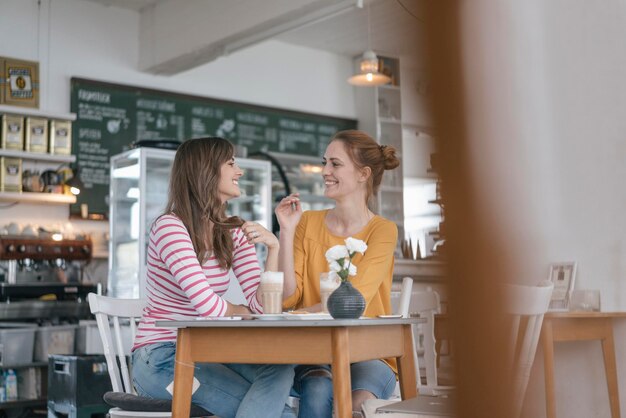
pixel 138 195
pixel 297 173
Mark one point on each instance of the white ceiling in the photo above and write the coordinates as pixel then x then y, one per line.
pixel 393 30
pixel 136 5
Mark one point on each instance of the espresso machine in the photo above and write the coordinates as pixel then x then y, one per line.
pixel 42 277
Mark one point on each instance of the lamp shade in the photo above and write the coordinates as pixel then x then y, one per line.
pixel 369 75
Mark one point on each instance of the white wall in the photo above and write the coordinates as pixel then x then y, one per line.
pixel 546 97
pixel 88 40
pixel 78 38
pixel 85 39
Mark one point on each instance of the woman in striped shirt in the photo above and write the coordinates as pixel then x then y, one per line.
pixel 192 247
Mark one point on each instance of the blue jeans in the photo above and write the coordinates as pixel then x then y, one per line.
pixel 226 390
pixel 316 392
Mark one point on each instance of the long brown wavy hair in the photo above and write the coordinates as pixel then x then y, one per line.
pixel 193 197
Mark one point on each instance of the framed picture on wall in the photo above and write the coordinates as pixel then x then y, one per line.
pixel 562 275
pixel 20 82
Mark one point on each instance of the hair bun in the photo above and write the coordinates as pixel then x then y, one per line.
pixel 390 161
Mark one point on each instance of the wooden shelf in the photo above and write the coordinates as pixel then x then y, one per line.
pixel 38 156
pixel 22 403
pixel 419 268
pixel 390 121
pixel 429 130
pixel 33 197
pixel 25 365
pixel 389 87
pixel 26 111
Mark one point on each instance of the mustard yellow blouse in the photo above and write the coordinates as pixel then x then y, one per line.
pixel 374 268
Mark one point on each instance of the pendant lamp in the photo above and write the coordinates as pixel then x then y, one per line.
pixel 369 75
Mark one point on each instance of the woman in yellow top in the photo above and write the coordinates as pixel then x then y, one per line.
pixel 353 168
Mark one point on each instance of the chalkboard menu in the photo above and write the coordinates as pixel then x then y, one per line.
pixel 110 117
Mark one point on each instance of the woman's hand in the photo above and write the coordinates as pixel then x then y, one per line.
pixel 257 234
pixel 288 212
pixel 237 310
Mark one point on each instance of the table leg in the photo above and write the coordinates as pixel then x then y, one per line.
pixel 610 368
pixel 342 392
pixel 183 375
pixel 406 366
pixel 548 367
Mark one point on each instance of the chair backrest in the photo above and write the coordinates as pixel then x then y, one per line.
pixel 114 311
pixel 405 297
pixel 526 306
pixel 426 304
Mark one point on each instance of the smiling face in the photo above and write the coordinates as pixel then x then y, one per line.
pixel 228 186
pixel 341 177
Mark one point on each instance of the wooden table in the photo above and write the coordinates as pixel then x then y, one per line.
pixel 296 341
pixel 580 326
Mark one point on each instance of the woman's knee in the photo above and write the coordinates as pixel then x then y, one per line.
pixel 318 384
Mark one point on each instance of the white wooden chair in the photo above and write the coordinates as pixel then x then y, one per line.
pixel 526 305
pixel 128 404
pixel 427 305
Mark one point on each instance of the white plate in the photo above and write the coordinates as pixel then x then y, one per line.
pixel 390 316
pixel 269 317
pixel 308 316
pixel 219 318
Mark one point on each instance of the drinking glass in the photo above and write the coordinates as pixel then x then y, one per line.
pixel 329 281
pixel 585 300
pixel 271 288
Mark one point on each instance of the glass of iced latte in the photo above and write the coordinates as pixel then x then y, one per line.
pixel 329 281
pixel 271 288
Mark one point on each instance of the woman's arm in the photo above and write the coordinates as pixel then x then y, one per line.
pixel 257 234
pixel 246 268
pixel 170 243
pixel 288 212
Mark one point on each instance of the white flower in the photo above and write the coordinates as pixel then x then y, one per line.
pixel 355 245
pixel 339 257
pixel 336 253
pixel 352 270
pixel 334 266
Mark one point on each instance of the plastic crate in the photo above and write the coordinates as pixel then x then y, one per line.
pixel 17 340
pixel 57 339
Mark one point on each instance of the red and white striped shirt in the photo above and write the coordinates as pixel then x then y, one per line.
pixel 179 288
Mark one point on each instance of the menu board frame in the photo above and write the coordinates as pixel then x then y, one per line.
pixel 110 117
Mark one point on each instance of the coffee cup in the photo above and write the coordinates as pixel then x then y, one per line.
pixel 329 281
pixel 271 288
